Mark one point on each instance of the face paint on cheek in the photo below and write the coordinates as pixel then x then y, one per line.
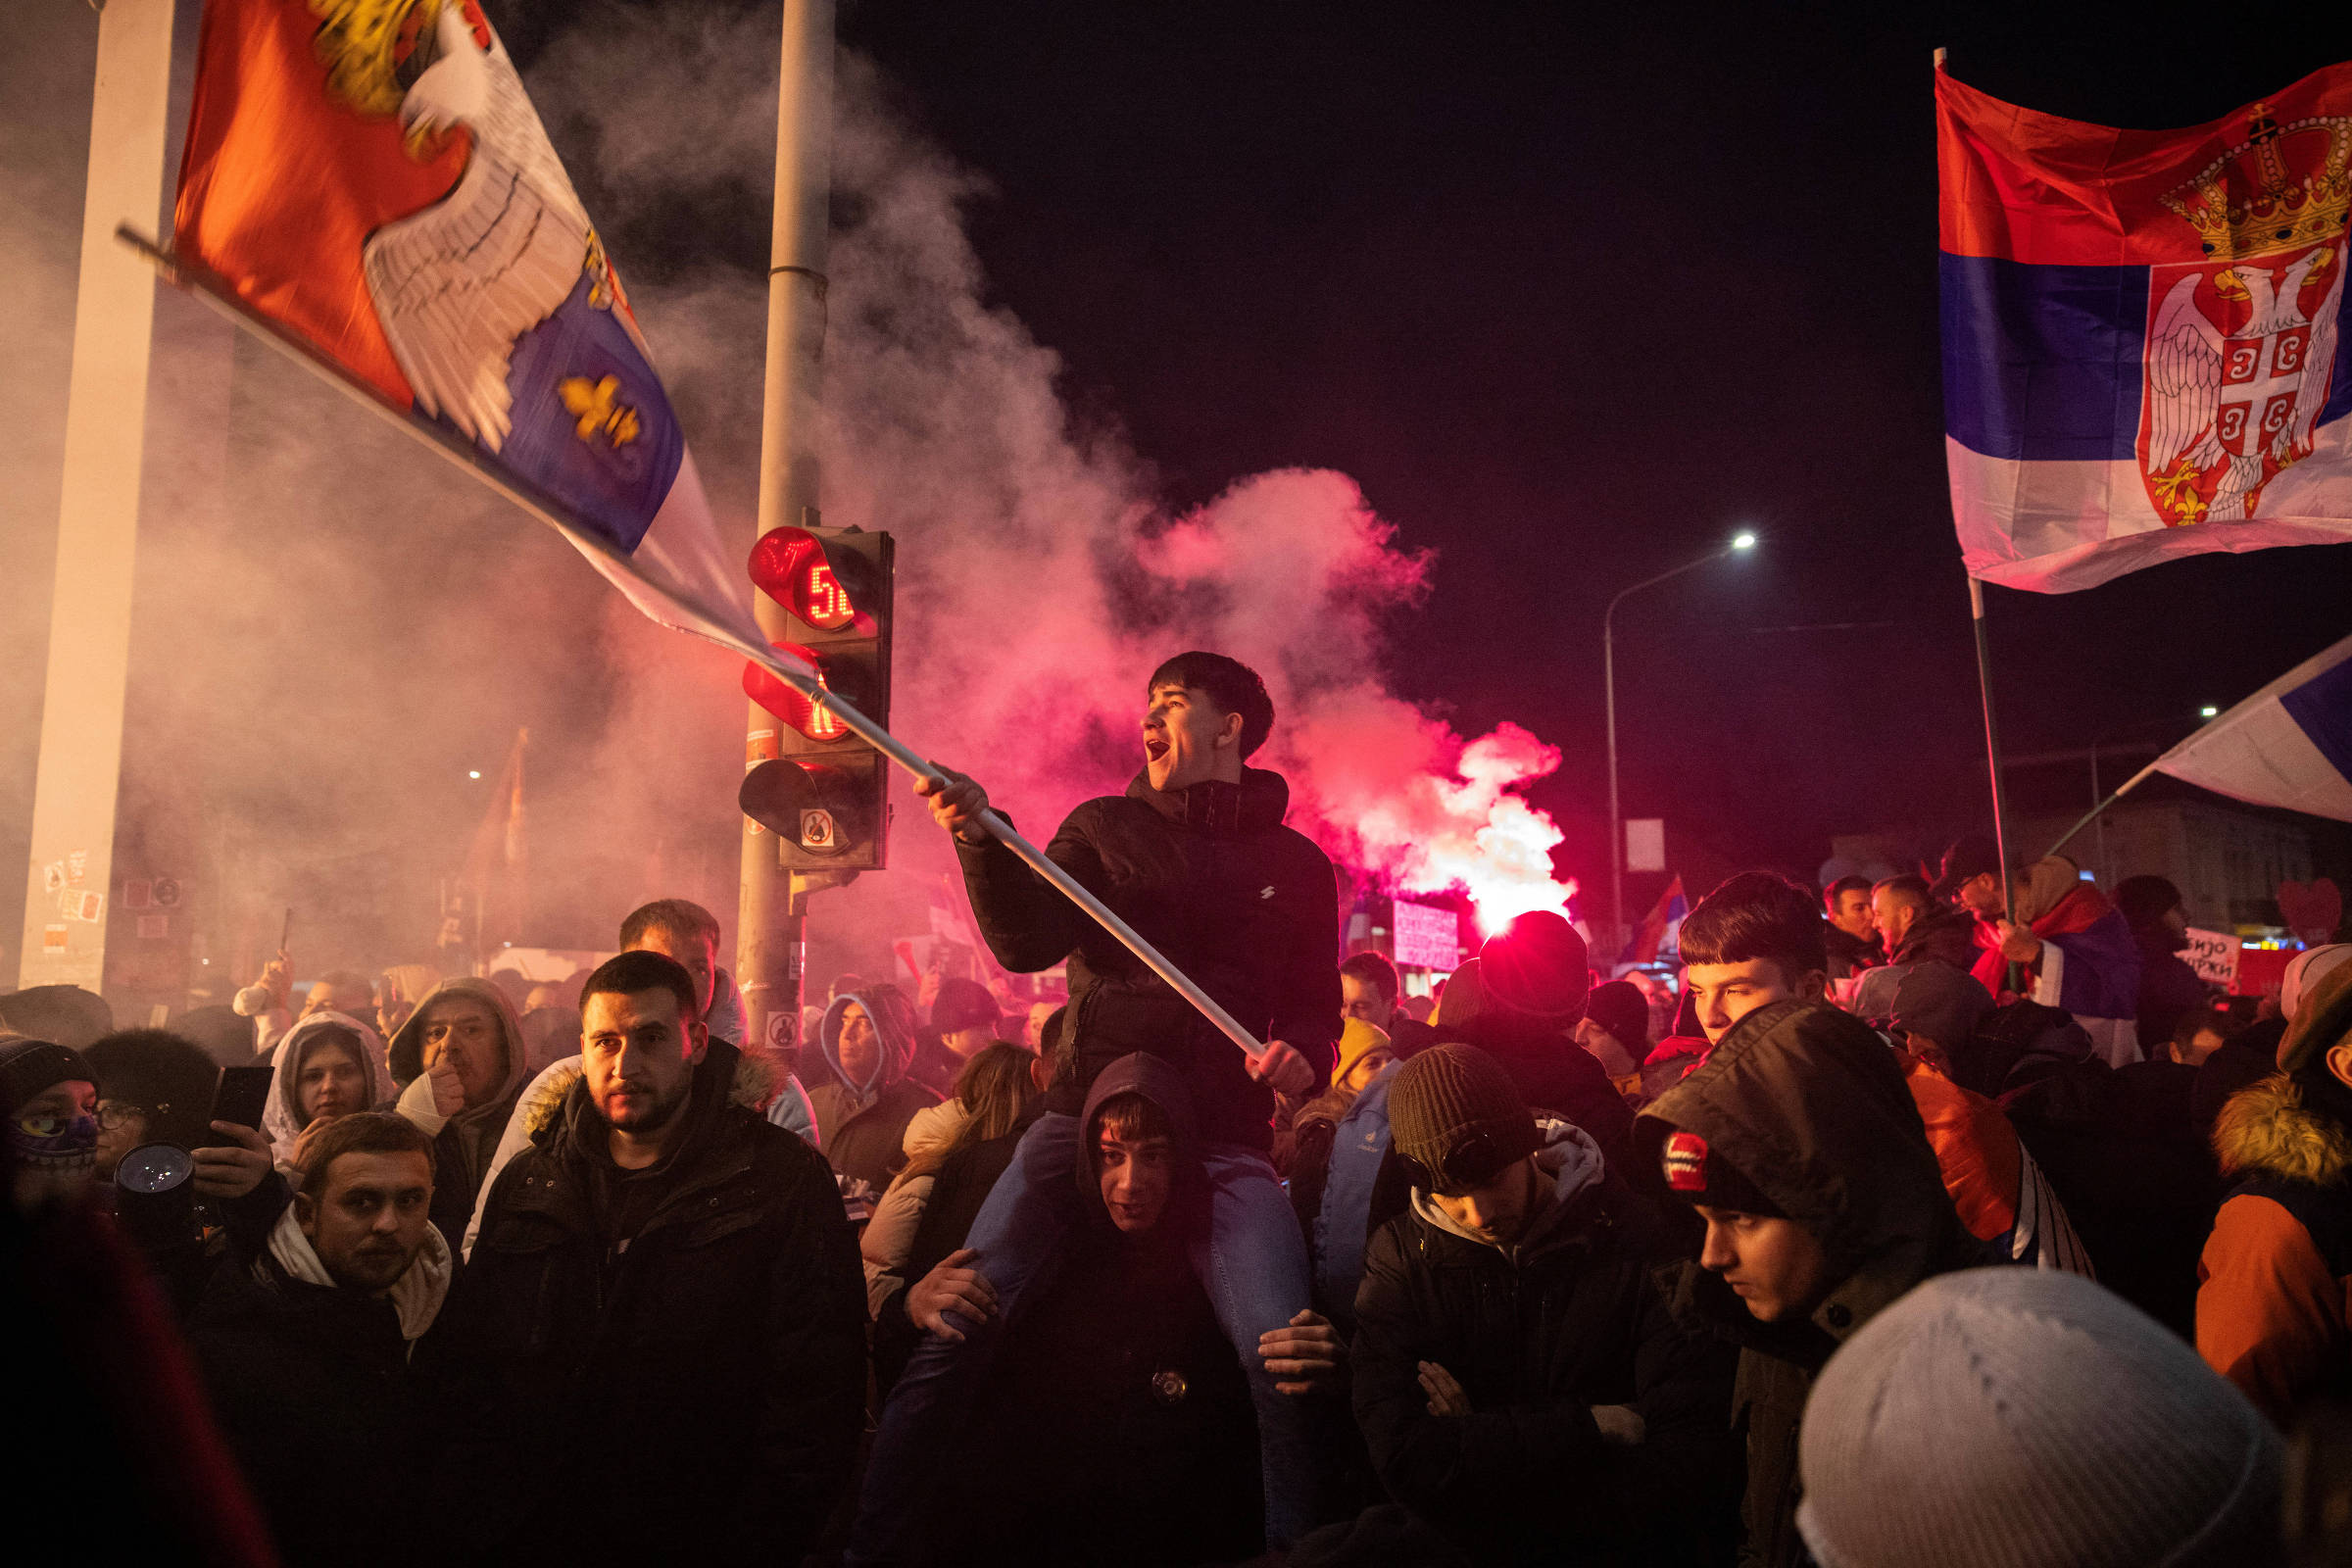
pixel 53 1143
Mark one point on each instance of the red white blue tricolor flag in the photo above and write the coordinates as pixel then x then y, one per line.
pixel 2141 346
pixel 370 177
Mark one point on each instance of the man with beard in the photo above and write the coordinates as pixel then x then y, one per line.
pixel 665 1304
pixel 306 1342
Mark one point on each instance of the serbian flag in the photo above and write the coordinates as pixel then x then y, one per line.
pixel 2289 743
pixel 1651 935
pixel 2140 333
pixel 367 177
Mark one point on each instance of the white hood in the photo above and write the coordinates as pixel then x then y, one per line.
pixel 416 1294
pixel 281 1122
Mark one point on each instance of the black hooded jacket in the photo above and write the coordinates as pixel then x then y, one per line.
pixel 1569 1319
pixel 704 1317
pixel 1245 906
pixel 1809 1105
pixel 1116 1424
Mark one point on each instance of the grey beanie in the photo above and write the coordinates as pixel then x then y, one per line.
pixel 2016 1418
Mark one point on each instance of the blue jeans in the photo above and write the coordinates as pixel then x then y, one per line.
pixel 1251 1261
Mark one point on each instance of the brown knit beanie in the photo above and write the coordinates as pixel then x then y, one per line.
pixel 1457 1119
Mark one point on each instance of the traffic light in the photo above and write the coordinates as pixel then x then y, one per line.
pixel 822 791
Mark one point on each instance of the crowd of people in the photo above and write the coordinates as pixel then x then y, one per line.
pixel 1939 1220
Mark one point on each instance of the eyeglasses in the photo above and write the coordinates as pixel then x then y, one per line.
pixel 114 1115
pixel 1472 1162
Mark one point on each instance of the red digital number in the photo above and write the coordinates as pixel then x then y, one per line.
pixel 822 602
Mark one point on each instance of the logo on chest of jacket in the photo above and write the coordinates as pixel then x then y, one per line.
pixel 1265 893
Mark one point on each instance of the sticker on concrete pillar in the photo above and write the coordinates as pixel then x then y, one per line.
pixel 53 937
pixel 166 892
pixel 85 905
pixel 53 876
pixel 758 747
pixel 152 926
pixel 77 863
pixel 783 1029
pixel 138 893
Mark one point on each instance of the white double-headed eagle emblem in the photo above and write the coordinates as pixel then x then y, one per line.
pixel 456 284
pixel 2246 398
pixel 2240 353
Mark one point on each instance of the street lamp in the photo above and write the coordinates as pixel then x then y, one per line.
pixel 1743 540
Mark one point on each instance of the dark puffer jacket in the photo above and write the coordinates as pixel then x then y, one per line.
pixel 1808 1104
pixel 1245 906
pixel 721 1345
pixel 1569 1319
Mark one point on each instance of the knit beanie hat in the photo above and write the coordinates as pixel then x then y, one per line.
pixel 2026 1418
pixel 1537 965
pixel 1701 1176
pixel 29 1067
pixel 2304 972
pixel 1356 1039
pixel 1619 1007
pixel 2320 1020
pixel 1457 1119
pixel 2146 899
pixel 962 1005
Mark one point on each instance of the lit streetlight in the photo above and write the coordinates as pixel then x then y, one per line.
pixel 473 772
pixel 1743 540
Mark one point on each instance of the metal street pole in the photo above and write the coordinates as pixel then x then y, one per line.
pixel 70 876
pixel 770 941
pixel 1618 934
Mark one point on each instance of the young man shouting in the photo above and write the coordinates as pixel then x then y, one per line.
pixel 1196 858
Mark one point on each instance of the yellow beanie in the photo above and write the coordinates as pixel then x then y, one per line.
pixel 1357 1039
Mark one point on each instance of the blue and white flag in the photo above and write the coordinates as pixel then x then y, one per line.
pixel 2289 743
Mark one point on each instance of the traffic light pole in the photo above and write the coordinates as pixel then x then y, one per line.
pixel 771 918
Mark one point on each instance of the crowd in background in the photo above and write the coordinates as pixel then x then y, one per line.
pixel 1946 1220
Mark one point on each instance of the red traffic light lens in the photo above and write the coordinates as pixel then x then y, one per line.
pixel 791 567
pixel 772 692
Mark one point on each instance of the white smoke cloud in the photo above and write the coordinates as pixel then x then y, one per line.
pixel 338 628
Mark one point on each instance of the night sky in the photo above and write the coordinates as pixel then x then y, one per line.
pixel 1576 293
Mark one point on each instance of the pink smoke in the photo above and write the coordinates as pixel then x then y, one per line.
pixel 1040 579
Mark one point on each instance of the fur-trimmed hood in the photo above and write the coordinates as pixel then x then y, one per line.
pixel 2265 1128
pixel 755 1081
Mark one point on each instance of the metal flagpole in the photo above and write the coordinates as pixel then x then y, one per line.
pixel 2129 785
pixel 1993 743
pixel 699 620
